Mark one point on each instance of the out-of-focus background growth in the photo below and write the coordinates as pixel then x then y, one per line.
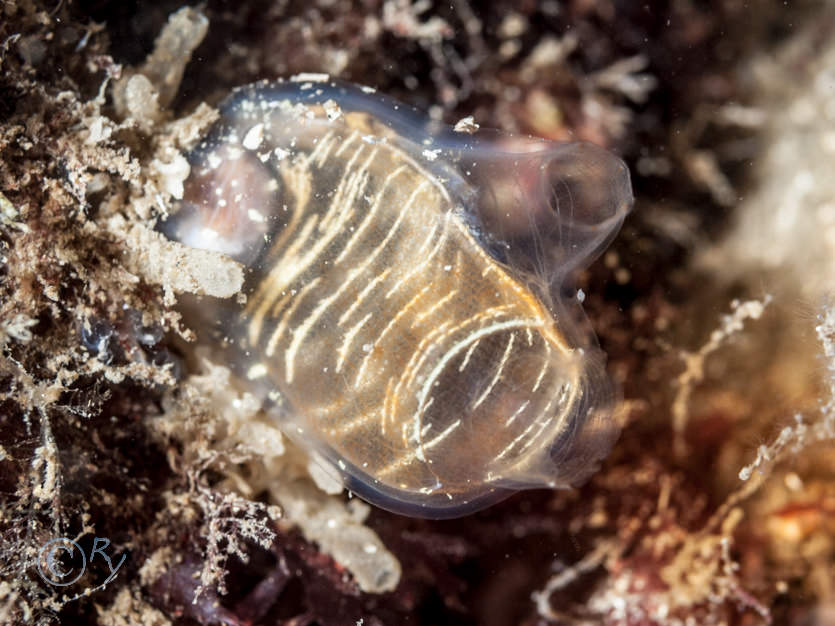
pixel 716 306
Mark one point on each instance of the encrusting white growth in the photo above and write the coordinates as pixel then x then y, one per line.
pixel 286 474
pixel 694 362
pixel 804 432
pixel 170 171
pixel 785 224
pixel 178 268
pixel 141 92
pixel 339 531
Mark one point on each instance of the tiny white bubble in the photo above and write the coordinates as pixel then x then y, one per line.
pixel 254 137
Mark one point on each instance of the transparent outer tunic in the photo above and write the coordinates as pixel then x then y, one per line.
pixel 409 315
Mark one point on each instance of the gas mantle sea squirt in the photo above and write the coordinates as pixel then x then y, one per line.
pixel 408 313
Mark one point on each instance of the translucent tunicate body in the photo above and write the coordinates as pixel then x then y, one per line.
pixel 408 316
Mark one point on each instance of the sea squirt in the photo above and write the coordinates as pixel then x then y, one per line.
pixel 409 317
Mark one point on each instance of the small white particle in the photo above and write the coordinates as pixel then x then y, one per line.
pixel 310 76
pixel 341 464
pixel 256 216
pixel 367 347
pixel 447 268
pixel 256 371
pixel 369 548
pixel 254 136
pixel 332 110
pixel 581 295
pixel 466 125
pixel 431 155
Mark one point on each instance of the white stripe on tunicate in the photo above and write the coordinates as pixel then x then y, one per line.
pixel 346 343
pixel 285 317
pixel 419 452
pixel 544 368
pixel 452 352
pixel 428 312
pixel 517 412
pixel 354 134
pixel 498 373
pixel 301 332
pixel 392 323
pixel 363 294
pixel 468 355
pixel 361 421
pixel 369 218
pixel 424 261
pixel 274 284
